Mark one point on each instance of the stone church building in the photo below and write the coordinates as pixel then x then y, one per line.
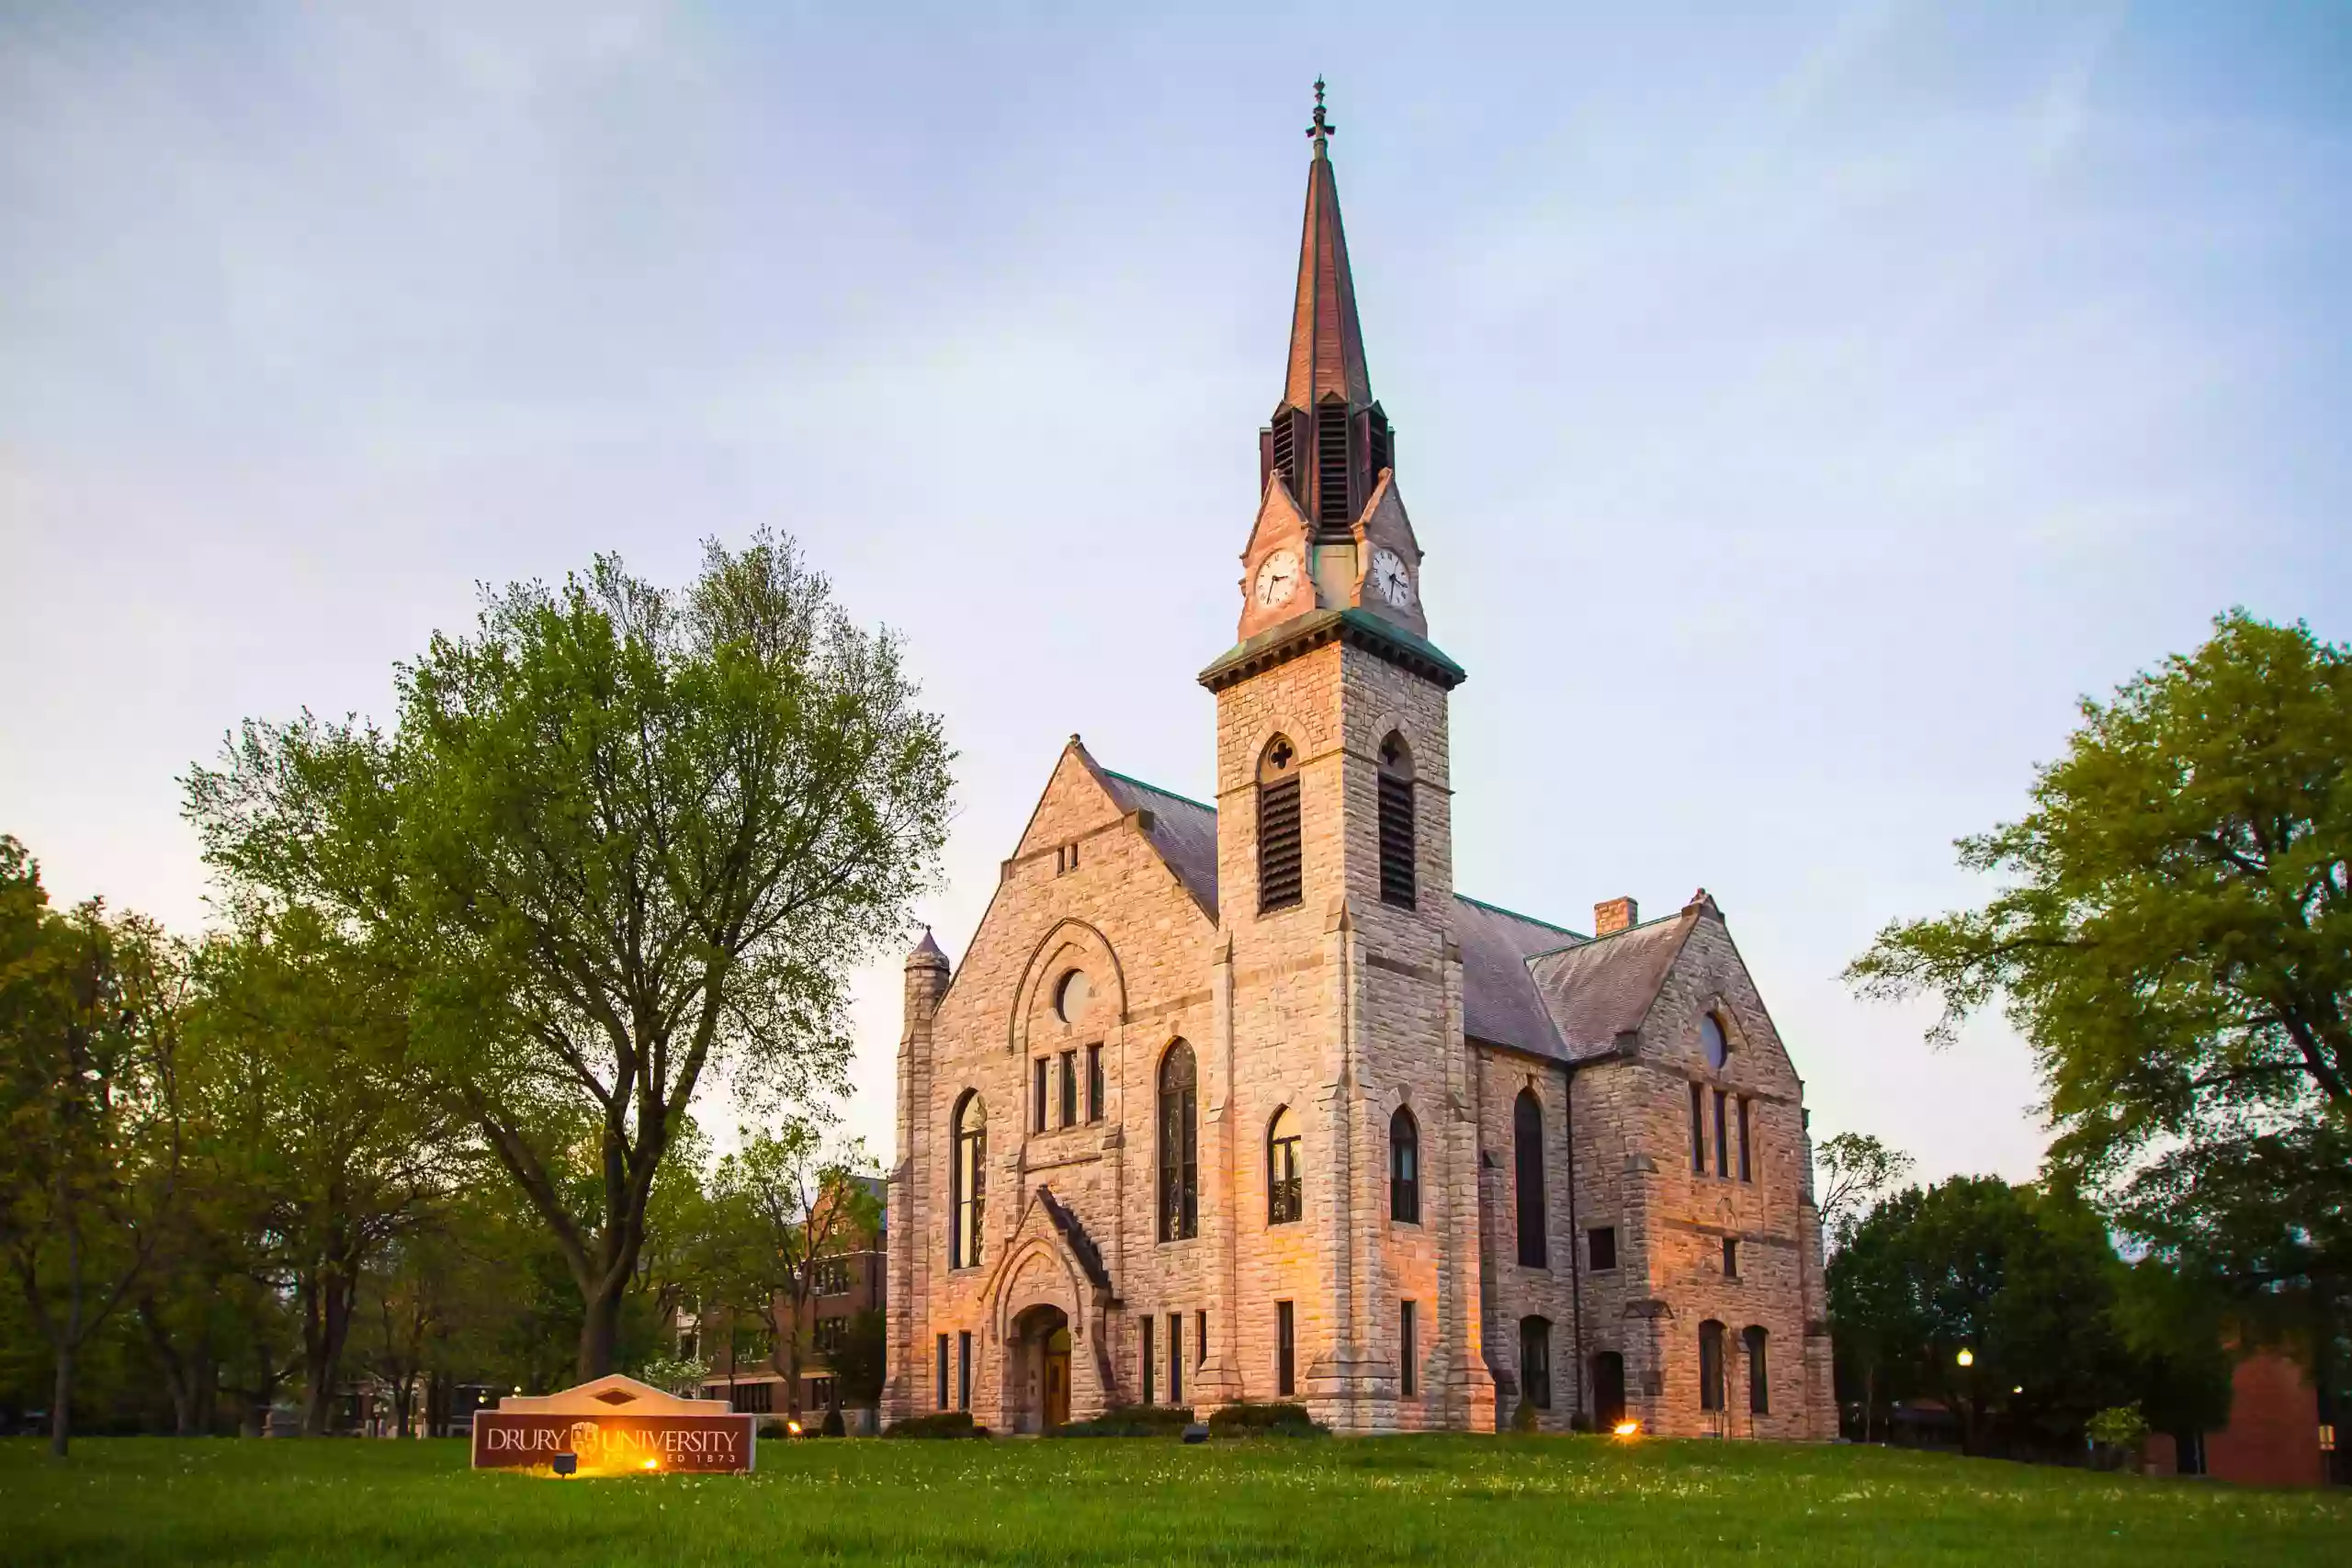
pixel 1244 1102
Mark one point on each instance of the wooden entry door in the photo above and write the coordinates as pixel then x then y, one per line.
pixel 1056 1378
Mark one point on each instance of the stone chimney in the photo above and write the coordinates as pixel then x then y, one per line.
pixel 1614 916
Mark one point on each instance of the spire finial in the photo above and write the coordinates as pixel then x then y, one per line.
pixel 1320 132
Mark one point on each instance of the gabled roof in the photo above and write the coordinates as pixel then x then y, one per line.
pixel 1598 990
pixel 1502 1002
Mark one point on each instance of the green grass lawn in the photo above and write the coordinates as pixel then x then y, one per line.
pixel 1433 1500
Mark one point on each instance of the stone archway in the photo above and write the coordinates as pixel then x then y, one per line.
pixel 1038 1359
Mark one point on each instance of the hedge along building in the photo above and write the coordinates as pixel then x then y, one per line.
pixel 1245 1103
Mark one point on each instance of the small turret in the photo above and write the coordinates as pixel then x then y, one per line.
pixel 927 976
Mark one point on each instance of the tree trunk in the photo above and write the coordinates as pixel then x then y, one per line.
pixel 600 1326
pixel 191 1377
pixel 178 1376
pixel 326 1328
pixel 208 1392
pixel 61 1407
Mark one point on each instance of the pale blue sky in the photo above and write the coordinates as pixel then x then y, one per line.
pixel 1799 405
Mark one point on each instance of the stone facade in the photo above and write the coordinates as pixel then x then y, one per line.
pixel 1151 1019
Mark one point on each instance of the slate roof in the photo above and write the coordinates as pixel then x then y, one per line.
pixel 1500 1003
pixel 1516 988
pixel 1599 989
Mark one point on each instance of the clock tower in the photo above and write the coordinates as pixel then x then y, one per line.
pixel 1341 1092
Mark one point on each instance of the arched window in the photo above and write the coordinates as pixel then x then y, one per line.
pixel 1404 1168
pixel 1180 1158
pixel 1712 1040
pixel 1281 868
pixel 1710 1365
pixel 1395 822
pixel 1285 1192
pixel 968 1175
pixel 1535 1361
pixel 1759 1381
pixel 1527 1166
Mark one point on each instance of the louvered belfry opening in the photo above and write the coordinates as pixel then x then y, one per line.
pixel 1332 466
pixel 1281 860
pixel 1286 451
pixel 1396 882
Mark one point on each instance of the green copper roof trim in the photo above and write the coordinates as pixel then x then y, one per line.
pixel 1353 625
pixel 1155 789
pixel 1529 920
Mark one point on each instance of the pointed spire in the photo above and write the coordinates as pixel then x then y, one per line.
pixel 1325 343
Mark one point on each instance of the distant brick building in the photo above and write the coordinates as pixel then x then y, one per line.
pixel 1246 1102
pixel 2277 1435
pixel 843 1283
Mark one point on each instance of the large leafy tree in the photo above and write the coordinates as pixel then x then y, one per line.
pixel 624 839
pixel 2173 937
pixel 90 1009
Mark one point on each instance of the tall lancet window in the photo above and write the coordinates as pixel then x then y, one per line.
pixel 1397 822
pixel 1281 867
pixel 1527 1174
pixel 1404 1168
pixel 1180 1152
pixel 968 1175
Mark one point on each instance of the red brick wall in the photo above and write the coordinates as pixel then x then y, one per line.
pixel 2273 1436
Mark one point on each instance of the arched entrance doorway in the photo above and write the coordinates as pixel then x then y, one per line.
pixel 1041 1369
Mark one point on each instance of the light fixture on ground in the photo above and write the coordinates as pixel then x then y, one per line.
pixel 1966 1357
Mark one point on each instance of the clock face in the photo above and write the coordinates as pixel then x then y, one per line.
pixel 1277 578
pixel 1391 580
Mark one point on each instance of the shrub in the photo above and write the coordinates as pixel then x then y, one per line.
pixel 775 1428
pixel 833 1427
pixel 1581 1422
pixel 945 1424
pixel 1527 1418
pixel 1243 1419
pixel 1131 1421
pixel 2119 1429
